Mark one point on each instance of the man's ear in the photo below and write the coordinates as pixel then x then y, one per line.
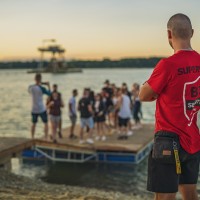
pixel 192 33
pixel 169 34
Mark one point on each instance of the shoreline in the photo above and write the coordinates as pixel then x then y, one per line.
pixel 15 187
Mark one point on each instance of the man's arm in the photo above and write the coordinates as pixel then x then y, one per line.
pixel 44 90
pixel 30 89
pixel 146 93
pixel 90 108
pixel 49 87
pixel 119 103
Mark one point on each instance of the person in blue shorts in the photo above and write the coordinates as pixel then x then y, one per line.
pixel 37 91
pixel 86 114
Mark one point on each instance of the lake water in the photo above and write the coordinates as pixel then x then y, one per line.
pixel 15 120
pixel 15 106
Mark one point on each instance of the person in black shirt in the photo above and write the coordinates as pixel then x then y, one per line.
pixel 92 97
pixel 86 112
pixel 55 89
pixel 99 117
pixel 108 93
pixel 137 112
pixel 108 89
pixel 54 104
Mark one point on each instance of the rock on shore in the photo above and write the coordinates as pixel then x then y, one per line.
pixel 14 187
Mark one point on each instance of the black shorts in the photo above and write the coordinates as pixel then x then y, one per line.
pixel 43 116
pixel 99 119
pixel 73 119
pixel 123 121
pixel 162 177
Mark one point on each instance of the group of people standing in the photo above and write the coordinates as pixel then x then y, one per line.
pixel 112 107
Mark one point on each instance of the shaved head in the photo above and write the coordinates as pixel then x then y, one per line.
pixel 180 26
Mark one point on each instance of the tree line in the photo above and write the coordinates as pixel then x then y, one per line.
pixel 105 63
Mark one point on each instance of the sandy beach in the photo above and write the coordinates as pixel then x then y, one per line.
pixel 14 187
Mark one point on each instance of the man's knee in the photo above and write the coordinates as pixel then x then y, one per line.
pixel 188 191
pixel 165 196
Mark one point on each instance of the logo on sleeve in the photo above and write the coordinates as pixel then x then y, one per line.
pixel 191 99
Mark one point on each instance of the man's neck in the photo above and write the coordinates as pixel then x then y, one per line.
pixel 183 45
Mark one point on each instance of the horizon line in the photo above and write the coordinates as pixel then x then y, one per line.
pixel 82 59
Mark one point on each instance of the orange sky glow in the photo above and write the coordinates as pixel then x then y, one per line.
pixel 91 29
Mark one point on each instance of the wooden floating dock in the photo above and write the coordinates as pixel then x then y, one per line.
pixel 135 143
pixel 133 150
pixel 12 147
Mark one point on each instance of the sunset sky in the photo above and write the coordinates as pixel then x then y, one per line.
pixel 91 29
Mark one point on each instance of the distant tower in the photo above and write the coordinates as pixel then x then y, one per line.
pixel 54 49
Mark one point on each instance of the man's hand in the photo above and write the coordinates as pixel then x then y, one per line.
pixel 51 103
pixel 147 94
pixel 100 114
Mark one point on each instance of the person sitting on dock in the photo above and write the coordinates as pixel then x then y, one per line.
pixel 86 112
pixel 54 104
pixel 38 108
pixel 72 113
pixel 174 162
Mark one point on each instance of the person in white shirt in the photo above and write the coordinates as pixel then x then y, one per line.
pixel 38 108
pixel 124 105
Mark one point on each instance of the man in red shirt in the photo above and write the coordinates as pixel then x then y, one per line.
pixel 175 85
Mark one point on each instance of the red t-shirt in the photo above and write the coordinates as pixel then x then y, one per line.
pixel 176 80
